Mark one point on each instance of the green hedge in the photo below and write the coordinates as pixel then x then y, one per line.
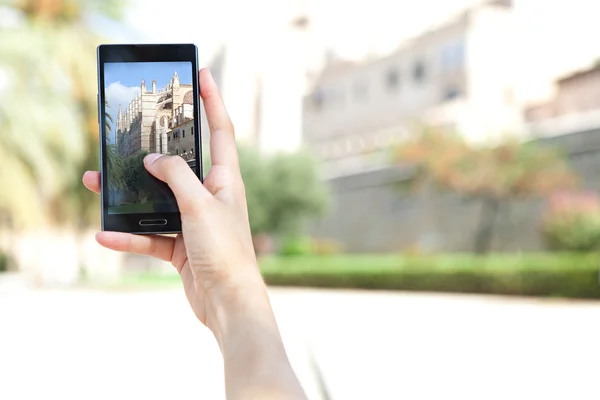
pixel 554 275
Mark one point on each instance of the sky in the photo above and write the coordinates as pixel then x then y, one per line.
pixel 122 81
pixel 352 28
pixel 556 37
pixel 355 28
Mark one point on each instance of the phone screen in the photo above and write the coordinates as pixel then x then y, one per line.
pixel 148 108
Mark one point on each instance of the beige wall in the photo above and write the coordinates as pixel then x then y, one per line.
pixel 575 107
pixel 492 69
pixel 466 87
pixel 356 111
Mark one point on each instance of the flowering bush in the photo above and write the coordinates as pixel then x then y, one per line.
pixel 572 222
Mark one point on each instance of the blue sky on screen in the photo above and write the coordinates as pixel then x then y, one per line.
pixel 123 80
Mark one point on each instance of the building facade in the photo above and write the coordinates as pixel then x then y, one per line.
pixel 180 140
pixel 261 72
pixel 574 107
pixel 150 119
pixel 454 76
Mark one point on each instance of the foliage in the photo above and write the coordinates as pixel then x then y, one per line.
pixel 3 262
pixel 136 178
pixel 282 191
pixel 507 171
pixel 49 121
pixel 572 231
pixel 114 162
pixel 325 247
pixel 296 246
pixel 553 275
pixel 572 221
pixel 258 185
pixel 511 170
pixel 526 274
pixel 115 167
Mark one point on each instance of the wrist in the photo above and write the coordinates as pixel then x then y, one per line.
pixel 238 307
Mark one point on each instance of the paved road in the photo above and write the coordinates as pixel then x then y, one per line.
pixel 96 345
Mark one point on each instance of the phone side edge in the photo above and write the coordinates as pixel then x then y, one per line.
pixel 100 135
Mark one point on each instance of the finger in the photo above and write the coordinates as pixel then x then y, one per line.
pixel 175 172
pixel 223 150
pixel 160 247
pixel 91 180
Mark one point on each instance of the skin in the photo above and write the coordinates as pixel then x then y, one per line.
pixel 216 261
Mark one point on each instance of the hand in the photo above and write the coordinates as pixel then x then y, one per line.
pixel 215 258
pixel 215 254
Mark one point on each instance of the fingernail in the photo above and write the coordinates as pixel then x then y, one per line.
pixel 150 158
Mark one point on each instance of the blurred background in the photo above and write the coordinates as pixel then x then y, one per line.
pixel 422 183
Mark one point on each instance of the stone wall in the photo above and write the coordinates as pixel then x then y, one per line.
pixel 372 212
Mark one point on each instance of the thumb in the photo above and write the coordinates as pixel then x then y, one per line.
pixel 177 174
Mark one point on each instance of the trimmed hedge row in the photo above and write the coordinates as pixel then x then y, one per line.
pixel 570 276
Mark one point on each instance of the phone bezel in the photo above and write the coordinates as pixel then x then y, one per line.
pixel 107 53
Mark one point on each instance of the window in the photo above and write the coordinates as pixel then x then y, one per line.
pixel 182 133
pixel 419 72
pixel 453 55
pixel 192 130
pixel 317 99
pixel 451 93
pixel 392 78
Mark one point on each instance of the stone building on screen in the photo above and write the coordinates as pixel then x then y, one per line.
pixel 153 118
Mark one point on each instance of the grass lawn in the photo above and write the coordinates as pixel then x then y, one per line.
pixel 543 274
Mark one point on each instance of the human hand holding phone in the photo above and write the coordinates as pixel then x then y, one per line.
pixel 215 257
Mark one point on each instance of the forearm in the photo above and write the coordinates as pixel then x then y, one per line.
pixel 256 364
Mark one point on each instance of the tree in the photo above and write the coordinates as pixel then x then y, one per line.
pixel 114 161
pixel 49 120
pixel 135 176
pixel 282 191
pixel 495 175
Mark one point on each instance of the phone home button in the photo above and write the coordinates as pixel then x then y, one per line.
pixel 153 222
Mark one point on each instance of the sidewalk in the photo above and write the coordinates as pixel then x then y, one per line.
pixel 370 345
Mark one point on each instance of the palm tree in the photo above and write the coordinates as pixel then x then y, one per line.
pixel 48 122
pixel 114 161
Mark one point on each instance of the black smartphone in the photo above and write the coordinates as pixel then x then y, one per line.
pixel 148 102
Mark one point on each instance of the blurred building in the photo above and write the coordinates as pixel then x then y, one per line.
pixel 455 76
pixel 152 117
pixel 574 107
pixel 261 72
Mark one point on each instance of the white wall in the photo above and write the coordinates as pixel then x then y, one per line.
pixel 491 71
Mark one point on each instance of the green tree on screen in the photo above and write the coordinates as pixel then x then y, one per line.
pixel 114 161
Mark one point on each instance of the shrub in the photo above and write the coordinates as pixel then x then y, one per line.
pixel 572 231
pixel 324 247
pixel 550 275
pixel 297 246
